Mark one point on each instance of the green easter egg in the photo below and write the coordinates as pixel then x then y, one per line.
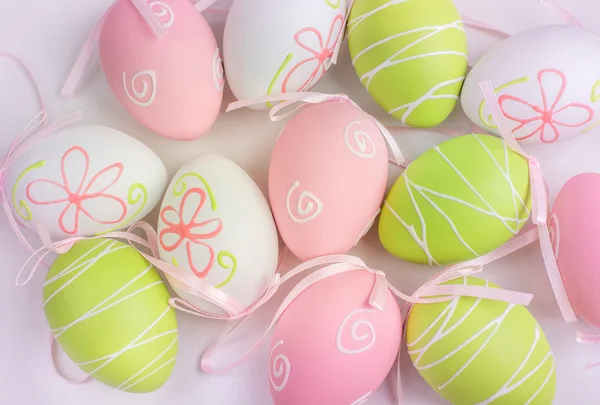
pixel 457 201
pixel 411 56
pixel 476 351
pixel 109 310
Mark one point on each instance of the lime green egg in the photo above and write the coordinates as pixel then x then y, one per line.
pixel 475 351
pixel 457 201
pixel 109 310
pixel 411 56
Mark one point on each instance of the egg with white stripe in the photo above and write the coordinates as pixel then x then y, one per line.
pixel 109 310
pixel 327 179
pixel 216 224
pixel 330 346
pixel 273 46
pixel 457 201
pixel 85 180
pixel 544 96
pixel 411 56
pixel 475 351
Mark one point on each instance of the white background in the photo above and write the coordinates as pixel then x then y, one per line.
pixel 48 34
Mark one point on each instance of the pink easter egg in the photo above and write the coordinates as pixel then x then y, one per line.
pixel 174 84
pixel 330 346
pixel 574 224
pixel 327 179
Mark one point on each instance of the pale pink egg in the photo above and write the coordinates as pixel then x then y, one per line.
pixel 330 346
pixel 174 84
pixel 327 179
pixel 574 226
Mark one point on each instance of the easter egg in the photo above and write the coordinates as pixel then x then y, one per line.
pixel 85 180
pixel 573 224
pixel 109 310
pixel 327 179
pixel 272 46
pixel 545 96
pixel 174 84
pixel 330 346
pixel 216 224
pixel 411 56
pixel 457 201
pixel 479 351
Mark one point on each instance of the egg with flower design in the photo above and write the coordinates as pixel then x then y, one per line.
pixel 216 224
pixel 85 180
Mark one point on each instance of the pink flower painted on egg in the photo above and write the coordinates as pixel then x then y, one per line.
pixel 546 119
pixel 77 194
pixel 185 228
pixel 319 57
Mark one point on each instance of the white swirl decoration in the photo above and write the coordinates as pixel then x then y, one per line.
pixel 361 331
pixel 163 12
pixel 554 230
pixel 307 208
pixel 279 368
pixel 361 144
pixel 218 71
pixel 143 87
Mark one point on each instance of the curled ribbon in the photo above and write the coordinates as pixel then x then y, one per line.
pixel 558 10
pixel 289 99
pixel 539 203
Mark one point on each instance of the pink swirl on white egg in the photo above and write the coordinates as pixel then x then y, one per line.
pixel 279 368
pixel 141 89
pixel 218 71
pixel 163 12
pixel 554 230
pixel 358 337
pixel 360 143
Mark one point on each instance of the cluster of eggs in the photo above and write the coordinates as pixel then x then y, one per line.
pixel 108 307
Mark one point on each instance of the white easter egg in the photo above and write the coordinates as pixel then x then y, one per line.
pixel 85 180
pixel 216 223
pixel 274 46
pixel 547 82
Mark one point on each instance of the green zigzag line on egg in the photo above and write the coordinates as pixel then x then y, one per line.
pixel 393 61
pixel 421 241
pixel 79 267
pixel 445 317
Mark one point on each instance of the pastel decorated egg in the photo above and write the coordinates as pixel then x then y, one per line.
pixel 174 84
pixel 85 180
pixel 457 201
pixel 215 223
pixel 327 179
pixel 109 310
pixel 330 346
pixel 411 56
pixel 273 46
pixel 479 351
pixel 545 96
pixel 573 224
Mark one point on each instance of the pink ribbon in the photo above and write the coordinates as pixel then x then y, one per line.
pixel 589 338
pixel 555 7
pixel 539 203
pixel 468 21
pixel 87 50
pixel 286 100
pixel 204 5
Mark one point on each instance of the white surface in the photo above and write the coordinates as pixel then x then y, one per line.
pixel 49 33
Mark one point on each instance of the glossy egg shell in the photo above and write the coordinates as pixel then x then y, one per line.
pixel 270 46
pixel 85 180
pixel 545 96
pixel 479 351
pixel 411 56
pixel 457 201
pixel 215 223
pixel 173 85
pixel 573 224
pixel 327 179
pixel 109 310
pixel 330 347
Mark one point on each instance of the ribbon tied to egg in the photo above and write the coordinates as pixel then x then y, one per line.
pixel 539 203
